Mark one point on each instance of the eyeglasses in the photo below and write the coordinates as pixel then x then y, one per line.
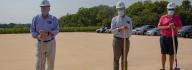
pixel 171 9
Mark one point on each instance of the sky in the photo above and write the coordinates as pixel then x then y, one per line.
pixel 22 11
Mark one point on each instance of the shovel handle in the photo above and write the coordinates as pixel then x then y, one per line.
pixel 124 50
pixel 174 47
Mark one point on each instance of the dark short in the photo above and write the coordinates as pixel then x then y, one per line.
pixel 166 44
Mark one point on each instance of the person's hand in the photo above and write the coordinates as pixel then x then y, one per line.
pixel 171 25
pixel 123 28
pixel 42 35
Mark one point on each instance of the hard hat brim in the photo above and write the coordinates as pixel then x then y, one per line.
pixel 120 7
pixel 44 5
pixel 171 8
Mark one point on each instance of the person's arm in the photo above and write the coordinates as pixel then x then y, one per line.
pixel 33 29
pixel 163 27
pixel 114 29
pixel 131 27
pixel 179 24
pixel 55 30
pixel 35 34
pixel 160 26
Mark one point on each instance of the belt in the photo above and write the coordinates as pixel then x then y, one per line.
pixel 47 40
pixel 119 37
pixel 168 36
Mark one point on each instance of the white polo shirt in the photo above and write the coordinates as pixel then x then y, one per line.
pixel 118 22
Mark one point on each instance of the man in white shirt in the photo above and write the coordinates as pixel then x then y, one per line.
pixel 121 27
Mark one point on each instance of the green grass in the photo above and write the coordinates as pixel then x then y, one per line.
pixel 13 30
pixel 63 29
pixel 79 29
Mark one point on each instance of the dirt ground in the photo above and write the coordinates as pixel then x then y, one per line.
pixel 88 51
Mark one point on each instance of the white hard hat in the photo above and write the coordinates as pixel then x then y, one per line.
pixel 120 4
pixel 45 3
pixel 171 5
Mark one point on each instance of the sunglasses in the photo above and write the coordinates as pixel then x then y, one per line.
pixel 171 9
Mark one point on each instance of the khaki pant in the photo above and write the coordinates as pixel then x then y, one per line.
pixel 45 55
pixel 118 52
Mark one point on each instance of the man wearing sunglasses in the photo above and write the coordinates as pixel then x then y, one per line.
pixel 121 27
pixel 166 24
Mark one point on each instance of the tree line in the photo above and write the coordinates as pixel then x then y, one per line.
pixel 142 13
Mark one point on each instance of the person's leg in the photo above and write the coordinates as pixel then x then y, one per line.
pixel 126 54
pixel 171 61
pixel 51 55
pixel 163 60
pixel 163 45
pixel 40 56
pixel 117 52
